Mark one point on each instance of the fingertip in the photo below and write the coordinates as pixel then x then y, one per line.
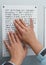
pixel 8 33
pixel 20 19
pixel 5 42
pixel 31 19
pixel 14 22
pixel 31 23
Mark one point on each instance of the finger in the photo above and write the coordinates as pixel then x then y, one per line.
pixel 10 39
pixel 19 31
pixel 18 27
pixel 31 23
pixel 13 38
pixel 19 23
pixel 22 22
pixel 18 40
pixel 19 34
pixel 16 37
pixel 7 45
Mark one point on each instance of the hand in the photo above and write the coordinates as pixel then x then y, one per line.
pixel 15 48
pixel 27 34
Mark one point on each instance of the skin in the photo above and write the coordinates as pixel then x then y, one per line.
pixel 27 34
pixel 15 48
pixel 24 33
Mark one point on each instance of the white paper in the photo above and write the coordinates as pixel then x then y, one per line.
pixel 12 12
pixel 45 27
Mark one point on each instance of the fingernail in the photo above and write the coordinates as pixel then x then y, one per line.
pixel 8 33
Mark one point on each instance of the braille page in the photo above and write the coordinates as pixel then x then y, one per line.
pixel 12 12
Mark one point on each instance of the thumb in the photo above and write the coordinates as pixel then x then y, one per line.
pixel 31 23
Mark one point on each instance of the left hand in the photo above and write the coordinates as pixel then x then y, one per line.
pixel 15 48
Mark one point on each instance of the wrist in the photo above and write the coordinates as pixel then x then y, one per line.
pixel 32 42
pixel 36 46
pixel 13 61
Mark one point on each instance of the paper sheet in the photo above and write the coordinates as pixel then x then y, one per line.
pixel 12 12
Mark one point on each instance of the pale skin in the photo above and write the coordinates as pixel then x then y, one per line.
pixel 27 34
pixel 23 33
pixel 16 50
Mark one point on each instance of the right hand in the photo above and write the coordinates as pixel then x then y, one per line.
pixel 26 33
